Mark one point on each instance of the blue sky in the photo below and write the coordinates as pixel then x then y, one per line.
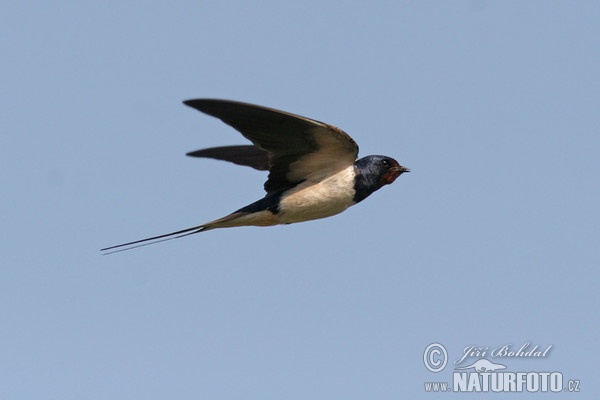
pixel 492 239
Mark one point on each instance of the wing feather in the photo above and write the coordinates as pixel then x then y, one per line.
pixel 250 156
pixel 299 148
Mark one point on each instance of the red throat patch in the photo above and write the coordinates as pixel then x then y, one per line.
pixel 390 177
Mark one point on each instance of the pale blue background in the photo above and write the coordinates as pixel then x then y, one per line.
pixel 492 239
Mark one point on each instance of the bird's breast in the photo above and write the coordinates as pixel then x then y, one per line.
pixel 314 200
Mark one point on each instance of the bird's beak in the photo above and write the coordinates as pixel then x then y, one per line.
pixel 399 169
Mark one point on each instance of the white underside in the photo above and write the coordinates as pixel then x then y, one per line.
pixel 311 200
pixel 307 201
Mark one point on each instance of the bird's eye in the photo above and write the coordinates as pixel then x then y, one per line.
pixel 385 163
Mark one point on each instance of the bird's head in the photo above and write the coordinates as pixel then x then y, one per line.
pixel 380 170
pixel 374 172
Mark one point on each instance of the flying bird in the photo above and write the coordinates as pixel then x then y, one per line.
pixel 314 170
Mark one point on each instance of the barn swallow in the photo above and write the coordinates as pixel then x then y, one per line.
pixel 314 170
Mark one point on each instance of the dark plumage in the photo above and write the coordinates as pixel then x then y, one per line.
pixel 374 172
pixel 313 168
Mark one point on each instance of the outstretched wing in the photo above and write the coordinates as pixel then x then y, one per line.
pixel 250 156
pixel 299 148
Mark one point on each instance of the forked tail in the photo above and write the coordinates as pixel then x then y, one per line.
pixel 235 219
pixel 155 239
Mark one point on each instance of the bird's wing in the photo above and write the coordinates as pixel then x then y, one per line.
pixel 300 149
pixel 250 156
